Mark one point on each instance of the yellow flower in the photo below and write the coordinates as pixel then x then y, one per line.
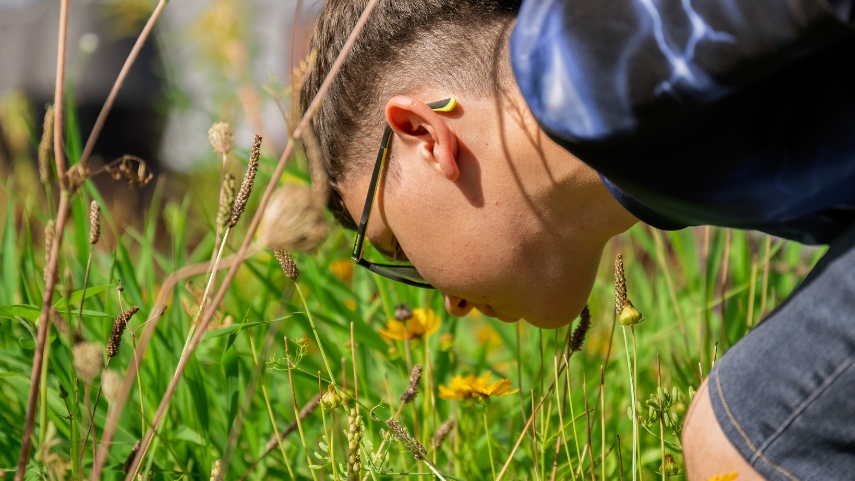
pixel 423 323
pixel 475 388
pixel 725 477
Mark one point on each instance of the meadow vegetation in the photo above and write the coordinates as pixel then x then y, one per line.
pixel 201 356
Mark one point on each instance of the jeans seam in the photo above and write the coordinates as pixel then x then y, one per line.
pixel 807 402
pixel 735 423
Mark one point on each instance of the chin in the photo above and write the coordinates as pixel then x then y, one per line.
pixel 553 321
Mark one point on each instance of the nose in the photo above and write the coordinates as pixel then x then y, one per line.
pixel 457 306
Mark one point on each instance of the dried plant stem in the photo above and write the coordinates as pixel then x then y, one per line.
pixel 41 336
pixel 113 417
pixel 632 404
pixel 120 80
pixel 297 411
pixel 270 410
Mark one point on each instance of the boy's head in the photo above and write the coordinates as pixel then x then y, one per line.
pixel 485 206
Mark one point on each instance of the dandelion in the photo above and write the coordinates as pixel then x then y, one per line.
pixel 119 325
pixel 421 324
pixel 444 430
pixel 475 388
pixel 287 263
pixel 581 330
pixel 88 359
pixel 46 148
pixel 221 137
pixel 413 389
pixel 248 181
pixel 94 222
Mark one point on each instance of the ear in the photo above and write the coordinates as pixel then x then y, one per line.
pixel 425 132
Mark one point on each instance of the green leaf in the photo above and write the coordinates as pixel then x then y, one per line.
pixel 13 374
pixel 196 384
pixel 27 343
pixel 26 311
pixel 77 296
pixel 186 434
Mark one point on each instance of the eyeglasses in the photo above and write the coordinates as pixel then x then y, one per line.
pixel 404 273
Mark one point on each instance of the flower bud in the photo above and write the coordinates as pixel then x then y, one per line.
pixel 331 400
pixel 629 316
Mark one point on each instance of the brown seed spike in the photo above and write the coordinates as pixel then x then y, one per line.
pixel 94 222
pixel 287 263
pixel 581 330
pixel 119 326
pixel 131 456
pixel 227 201
pixel 443 432
pixel 620 284
pixel 46 149
pixel 248 181
pixel 413 389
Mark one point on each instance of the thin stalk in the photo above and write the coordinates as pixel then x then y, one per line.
pixel 533 436
pixel 519 370
pixel 297 412
pixel 751 289
pixel 120 80
pixel 603 418
pixel 114 414
pixel 660 251
pixel 555 461
pixel 91 429
pixel 43 397
pixel 270 410
pixel 561 418
pixel 327 436
pixel 489 442
pixel 634 398
pixel 634 413
pixel 588 424
pixel 83 299
pixel 317 336
pixel 573 420
pixel 661 423
pixel 723 290
pixel 765 292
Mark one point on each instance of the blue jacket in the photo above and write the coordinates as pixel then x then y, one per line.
pixel 722 112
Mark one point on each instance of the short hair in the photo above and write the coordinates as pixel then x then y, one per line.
pixel 405 46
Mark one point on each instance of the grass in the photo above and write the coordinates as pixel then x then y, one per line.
pixel 265 356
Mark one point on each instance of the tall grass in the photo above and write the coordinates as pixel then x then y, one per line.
pixel 245 403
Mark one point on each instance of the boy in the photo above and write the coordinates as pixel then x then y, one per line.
pixel 521 139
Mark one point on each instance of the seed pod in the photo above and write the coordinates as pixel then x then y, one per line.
pixel 221 137
pixel 119 326
pixel 620 284
pixel 287 263
pixel 403 312
pixel 88 359
pixel 354 436
pixel 46 148
pixel 331 399
pixel 444 430
pixel 412 390
pixel 248 181
pixel 629 315
pixel 94 222
pixel 50 233
pixel 227 201
pixel 581 330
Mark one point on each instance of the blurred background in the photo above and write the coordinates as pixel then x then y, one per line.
pixel 207 61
